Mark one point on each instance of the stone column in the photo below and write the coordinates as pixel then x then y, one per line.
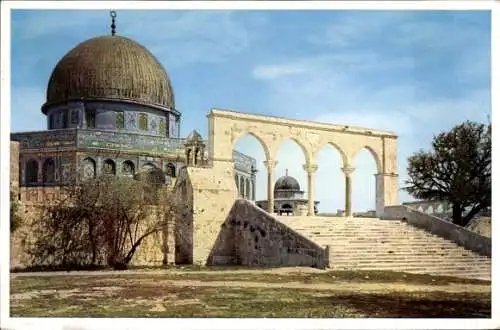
pixel 270 165
pixel 348 190
pixel 311 183
pixel 244 189
pixel 249 197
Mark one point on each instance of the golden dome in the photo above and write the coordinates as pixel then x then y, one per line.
pixel 110 67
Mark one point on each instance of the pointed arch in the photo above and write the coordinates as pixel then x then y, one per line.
pixel 343 156
pixel 170 170
pixel 263 144
pixel 89 168
pixel 305 151
pixel 376 157
pixel 109 167
pixel 31 171
pixel 48 170
pixel 128 167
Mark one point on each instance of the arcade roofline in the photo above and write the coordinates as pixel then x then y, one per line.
pixel 300 123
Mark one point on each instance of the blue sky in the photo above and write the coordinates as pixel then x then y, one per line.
pixel 414 73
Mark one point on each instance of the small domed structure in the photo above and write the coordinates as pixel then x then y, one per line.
pixel 110 68
pixel 288 197
pixel 287 183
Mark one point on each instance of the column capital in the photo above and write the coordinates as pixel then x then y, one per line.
pixel 310 168
pixel 270 164
pixel 348 170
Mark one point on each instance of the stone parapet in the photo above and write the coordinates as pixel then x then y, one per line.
pixel 448 230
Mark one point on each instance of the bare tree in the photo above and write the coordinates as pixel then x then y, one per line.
pixel 105 220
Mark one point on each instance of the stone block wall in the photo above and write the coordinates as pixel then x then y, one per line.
pixel 448 230
pixel 155 250
pixel 23 237
pixel 14 167
pixel 213 193
pixel 252 237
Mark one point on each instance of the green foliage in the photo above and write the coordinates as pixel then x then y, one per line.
pixel 457 170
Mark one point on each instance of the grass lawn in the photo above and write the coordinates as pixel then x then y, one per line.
pixel 246 293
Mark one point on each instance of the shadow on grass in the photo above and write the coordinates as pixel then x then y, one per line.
pixel 413 305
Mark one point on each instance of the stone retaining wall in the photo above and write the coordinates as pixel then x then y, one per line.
pixel 155 250
pixel 252 237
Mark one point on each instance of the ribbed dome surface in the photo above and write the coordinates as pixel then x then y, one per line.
pixel 287 183
pixel 110 67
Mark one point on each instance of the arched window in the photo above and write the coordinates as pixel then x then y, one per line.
pixel 430 210
pixel 196 155
pixel 31 171
pixel 88 166
pixel 237 182
pixel 170 170
pixel 143 121
pixel 128 168
pixel 420 209
pixel 109 167
pixel 48 170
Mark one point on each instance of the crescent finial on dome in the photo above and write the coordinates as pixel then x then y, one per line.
pixel 113 25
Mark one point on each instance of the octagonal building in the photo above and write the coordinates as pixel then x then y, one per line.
pixel 110 109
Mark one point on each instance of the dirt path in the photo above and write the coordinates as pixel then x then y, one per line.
pixel 282 270
pixel 339 286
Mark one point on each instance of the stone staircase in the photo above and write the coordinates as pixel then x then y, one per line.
pixel 373 244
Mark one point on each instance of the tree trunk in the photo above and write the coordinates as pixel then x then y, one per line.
pixel 457 214
pixel 475 210
pixel 134 247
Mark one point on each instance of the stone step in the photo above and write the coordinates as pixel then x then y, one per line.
pixel 375 238
pixel 406 268
pixel 374 245
pixel 356 251
pixel 410 257
pixel 364 244
pixel 364 233
pixel 413 263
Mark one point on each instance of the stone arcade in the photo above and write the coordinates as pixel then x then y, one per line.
pixel 111 109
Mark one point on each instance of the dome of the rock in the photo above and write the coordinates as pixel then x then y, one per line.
pixel 110 68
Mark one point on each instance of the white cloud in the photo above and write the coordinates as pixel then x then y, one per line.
pixel 175 37
pixel 198 36
pixel 265 72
